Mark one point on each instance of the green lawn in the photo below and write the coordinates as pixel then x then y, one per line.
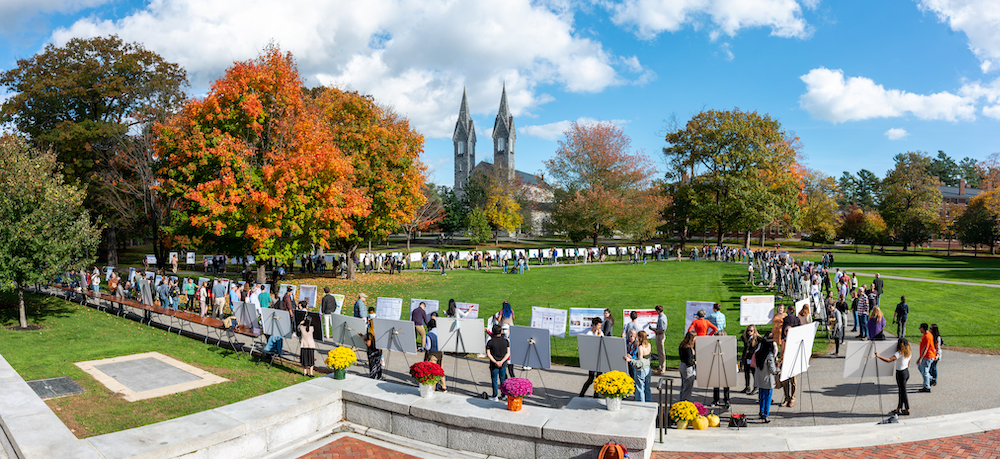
pixel 966 315
pixel 984 276
pixel 74 333
pixel 905 260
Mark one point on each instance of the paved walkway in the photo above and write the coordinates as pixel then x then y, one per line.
pixel 348 448
pixel 934 281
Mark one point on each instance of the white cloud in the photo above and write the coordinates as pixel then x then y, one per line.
pixel 830 97
pixel 649 18
pixel 414 55
pixel 978 19
pixel 896 133
pixel 553 131
pixel 14 12
pixel 992 111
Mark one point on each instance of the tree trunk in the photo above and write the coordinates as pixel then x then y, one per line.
pixel 112 245
pixel 262 273
pixel 349 250
pixel 746 242
pixel 407 241
pixel 763 236
pixel 22 317
pixel 595 239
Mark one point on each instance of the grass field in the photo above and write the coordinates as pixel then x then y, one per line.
pixel 984 276
pixel 74 333
pixel 904 260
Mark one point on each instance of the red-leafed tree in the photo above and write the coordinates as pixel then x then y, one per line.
pixel 385 155
pixel 600 185
pixel 255 160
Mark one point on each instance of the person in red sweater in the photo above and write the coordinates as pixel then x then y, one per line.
pixel 701 326
pixel 927 355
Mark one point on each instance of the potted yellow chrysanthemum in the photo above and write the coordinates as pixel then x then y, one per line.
pixel 614 386
pixel 339 359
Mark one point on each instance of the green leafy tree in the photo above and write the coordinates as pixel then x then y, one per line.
pixel 681 214
pixel 477 226
pixel 967 170
pixel 82 100
pixel 454 211
pixel 819 210
pixel 44 228
pixel 979 224
pixel 944 168
pixel 743 169
pixel 859 189
pixel 910 199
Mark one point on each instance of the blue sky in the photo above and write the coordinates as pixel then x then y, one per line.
pixel 857 81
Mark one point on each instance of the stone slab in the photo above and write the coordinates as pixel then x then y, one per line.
pixel 481 442
pixel 243 447
pixel 387 396
pixel 283 433
pixel 420 430
pixel 17 399
pixel 545 450
pixel 329 416
pixel 55 387
pixel 144 374
pixel 43 435
pixel 586 421
pixel 271 408
pixel 367 416
pixel 170 438
pixel 477 413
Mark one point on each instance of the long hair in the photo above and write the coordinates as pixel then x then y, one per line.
pixel 688 340
pixel 611 317
pixel 935 332
pixel 507 310
pixel 642 338
pixel 903 346
pixel 766 347
pixel 877 314
pixel 451 308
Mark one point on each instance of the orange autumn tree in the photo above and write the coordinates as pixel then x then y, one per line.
pixel 385 155
pixel 253 161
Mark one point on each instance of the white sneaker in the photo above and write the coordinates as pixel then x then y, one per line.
pixel 494 399
pixel 526 368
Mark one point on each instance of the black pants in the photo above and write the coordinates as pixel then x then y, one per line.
pixel 748 373
pixel 715 394
pixel 836 345
pixel 590 380
pixel 901 377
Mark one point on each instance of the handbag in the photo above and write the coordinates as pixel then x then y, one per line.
pixel 738 420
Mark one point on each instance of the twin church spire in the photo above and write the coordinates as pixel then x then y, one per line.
pixel 464 140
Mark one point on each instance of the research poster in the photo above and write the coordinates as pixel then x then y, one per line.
pixel 189 258
pixel 580 319
pixel 429 306
pixel 471 310
pixel 308 294
pixel 756 309
pixel 646 320
pixel 553 320
pixel 388 308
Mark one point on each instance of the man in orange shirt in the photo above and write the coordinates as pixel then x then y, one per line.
pixel 701 325
pixel 927 355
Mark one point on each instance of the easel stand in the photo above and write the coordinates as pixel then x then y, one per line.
pixel 394 338
pixel 719 370
pixel 460 344
pixel 524 363
pixel 802 357
pixel 869 354
pixel 603 357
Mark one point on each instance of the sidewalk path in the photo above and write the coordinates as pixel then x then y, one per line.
pixel 935 281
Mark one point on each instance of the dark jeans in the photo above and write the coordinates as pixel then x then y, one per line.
pixel 586 385
pixel 863 325
pixel 933 372
pixel 748 372
pixel 901 377
pixel 501 374
pixel 715 394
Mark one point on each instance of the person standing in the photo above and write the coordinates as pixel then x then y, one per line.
pixel 938 342
pixel 163 293
pixel 608 325
pixel 863 309
pixel 900 315
pixel 928 353
pixel 718 318
pixel 595 330
pixel 838 327
pixel 375 359
pixel 419 319
pixel 749 274
pixel 95 282
pixel 432 353
pixel 307 348
pixel 660 331
pixel 876 324
pixel 751 339
pixel 764 377
pixel 175 294
pixel 631 326
pixel 329 304
pixel 687 366
pixel 877 289
pixel 498 351
pixel 640 365
pixel 218 299
pixel 288 302
pixel 902 360
pixel 189 290
pixel 701 326
pixel 203 298
pixel 173 263
pixel 359 306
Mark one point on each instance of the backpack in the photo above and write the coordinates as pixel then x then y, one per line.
pixel 613 451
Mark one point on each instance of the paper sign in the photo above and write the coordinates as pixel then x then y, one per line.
pixel 646 320
pixel 415 257
pixel 151 259
pixel 756 309
pixel 691 311
pixel 553 320
pixel 190 258
pixel 388 308
pixel 580 319
pixel 429 306
pixel 471 310
pixel 308 294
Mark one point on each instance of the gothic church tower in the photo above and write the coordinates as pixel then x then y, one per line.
pixel 503 138
pixel 464 139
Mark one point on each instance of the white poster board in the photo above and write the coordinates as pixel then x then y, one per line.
pixel 602 353
pixel 189 258
pixel 429 306
pixel 344 330
pixel 861 362
pixel 395 335
pixel 388 308
pixel 464 336
pixel 532 253
pixel 471 310
pixel 717 361
pixel 756 309
pixel 107 272
pixel 276 322
pixel 799 304
pixel 580 319
pixel 646 320
pixel 612 250
pixel 530 347
pixel 553 320
pixel 282 288
pixel 308 293
pixel 798 350
pixel 691 311
pixel 173 256
pixel 151 259
pixel 415 257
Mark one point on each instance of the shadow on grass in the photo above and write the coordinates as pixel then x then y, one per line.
pixel 38 308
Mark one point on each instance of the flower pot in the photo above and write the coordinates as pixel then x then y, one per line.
pixel 613 403
pixel 427 390
pixel 514 403
pixel 682 425
pixel 340 374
